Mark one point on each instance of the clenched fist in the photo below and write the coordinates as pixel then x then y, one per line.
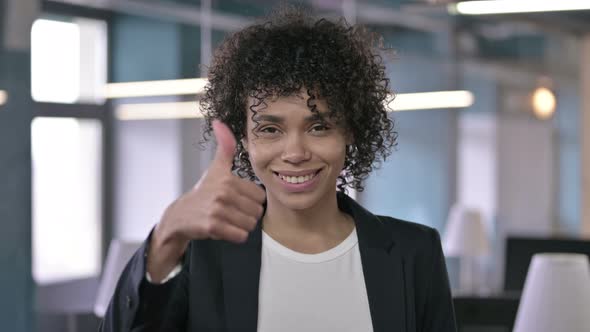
pixel 221 206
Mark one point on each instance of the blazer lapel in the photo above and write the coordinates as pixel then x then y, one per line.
pixel 382 268
pixel 241 277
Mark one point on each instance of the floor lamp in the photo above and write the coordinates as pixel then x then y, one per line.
pixel 466 238
pixel 556 295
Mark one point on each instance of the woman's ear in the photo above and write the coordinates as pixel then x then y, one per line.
pixel 349 139
pixel 244 142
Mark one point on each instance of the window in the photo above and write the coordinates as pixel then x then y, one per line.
pixel 68 60
pixel 68 76
pixel 66 156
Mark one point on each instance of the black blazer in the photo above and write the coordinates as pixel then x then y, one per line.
pixel 217 290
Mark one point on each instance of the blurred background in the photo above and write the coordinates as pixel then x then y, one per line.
pixel 499 151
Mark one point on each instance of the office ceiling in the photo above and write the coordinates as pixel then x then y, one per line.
pixel 514 37
pixel 413 14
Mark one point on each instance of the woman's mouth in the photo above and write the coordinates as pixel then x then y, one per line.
pixel 298 181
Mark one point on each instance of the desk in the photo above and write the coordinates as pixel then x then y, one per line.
pixel 67 306
pixel 495 313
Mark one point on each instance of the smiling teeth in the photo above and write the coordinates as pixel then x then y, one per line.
pixel 297 179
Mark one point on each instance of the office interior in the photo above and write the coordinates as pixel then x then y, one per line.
pixel 100 130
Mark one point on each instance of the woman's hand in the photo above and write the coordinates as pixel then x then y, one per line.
pixel 220 206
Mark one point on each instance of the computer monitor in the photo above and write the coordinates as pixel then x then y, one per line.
pixel 520 250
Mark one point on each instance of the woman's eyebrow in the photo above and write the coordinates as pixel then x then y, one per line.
pixel 321 116
pixel 314 117
pixel 279 119
pixel 268 118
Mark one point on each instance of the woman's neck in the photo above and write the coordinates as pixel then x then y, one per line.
pixel 313 230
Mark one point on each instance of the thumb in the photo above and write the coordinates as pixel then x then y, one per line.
pixel 226 144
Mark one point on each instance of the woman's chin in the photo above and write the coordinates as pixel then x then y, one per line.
pixel 298 201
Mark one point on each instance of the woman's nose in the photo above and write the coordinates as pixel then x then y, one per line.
pixel 295 150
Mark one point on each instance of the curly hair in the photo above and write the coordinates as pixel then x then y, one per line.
pixel 288 51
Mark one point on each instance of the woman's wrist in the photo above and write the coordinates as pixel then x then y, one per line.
pixel 164 253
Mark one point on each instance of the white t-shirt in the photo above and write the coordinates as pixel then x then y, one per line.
pixel 312 292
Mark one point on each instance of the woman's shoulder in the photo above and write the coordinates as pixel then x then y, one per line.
pixel 407 227
pixel 411 234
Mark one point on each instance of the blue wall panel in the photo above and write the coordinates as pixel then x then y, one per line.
pixel 417 182
pixel 145 49
pixel 568 133
pixel 16 283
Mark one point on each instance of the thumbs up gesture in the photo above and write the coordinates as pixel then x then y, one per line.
pixel 221 206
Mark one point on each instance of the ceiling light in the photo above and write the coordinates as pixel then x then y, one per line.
pixel 402 102
pixel 432 100
pixel 3 97
pixel 155 88
pixel 158 111
pixel 190 109
pixel 490 7
pixel 544 103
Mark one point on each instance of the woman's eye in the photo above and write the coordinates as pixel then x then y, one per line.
pixel 268 130
pixel 319 127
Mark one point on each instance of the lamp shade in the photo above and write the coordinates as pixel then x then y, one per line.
pixel 465 234
pixel 120 252
pixel 556 295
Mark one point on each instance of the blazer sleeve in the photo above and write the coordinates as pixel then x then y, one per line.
pixel 140 306
pixel 439 314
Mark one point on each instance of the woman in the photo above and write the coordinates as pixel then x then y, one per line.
pixel 267 240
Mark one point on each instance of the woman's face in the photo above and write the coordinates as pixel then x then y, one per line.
pixel 297 156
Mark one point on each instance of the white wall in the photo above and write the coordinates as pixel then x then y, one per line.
pixel 477 170
pixel 196 154
pixel 147 174
pixel 526 191
pixel 506 168
pixel 585 141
